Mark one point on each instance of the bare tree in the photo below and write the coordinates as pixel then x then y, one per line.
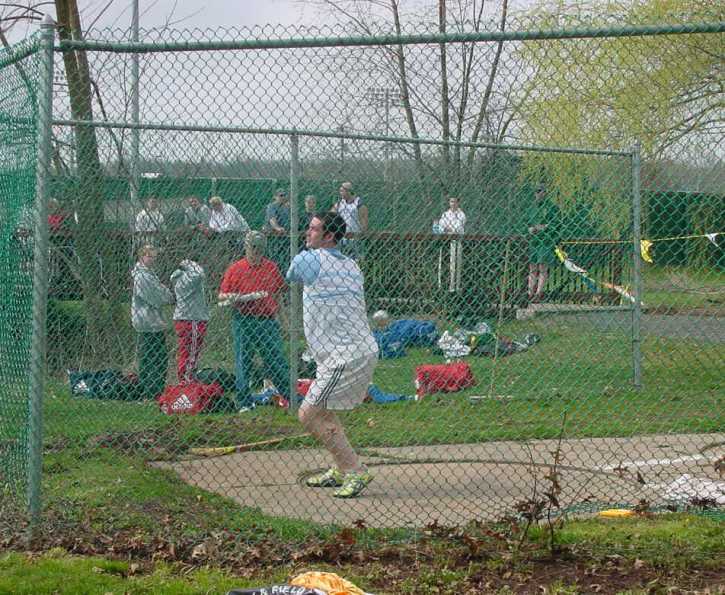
pixel 456 103
pixel 88 201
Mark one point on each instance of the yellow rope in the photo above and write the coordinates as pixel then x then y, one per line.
pixel 704 235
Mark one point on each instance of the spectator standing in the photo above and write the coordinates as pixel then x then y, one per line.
pixel 276 223
pixel 252 286
pixel 57 217
pixel 277 214
pixel 196 214
pixel 191 316
pixel 354 212
pixel 453 223
pixel 147 319
pixel 149 219
pixel 60 243
pixel 542 218
pixel 227 229
pixel 310 211
pixel 309 214
pixel 148 225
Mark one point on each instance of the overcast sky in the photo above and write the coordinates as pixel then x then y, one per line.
pixel 185 14
pixel 191 14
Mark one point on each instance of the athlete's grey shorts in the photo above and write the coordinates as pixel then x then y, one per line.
pixel 341 385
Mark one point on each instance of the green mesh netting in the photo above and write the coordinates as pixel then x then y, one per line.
pixel 18 88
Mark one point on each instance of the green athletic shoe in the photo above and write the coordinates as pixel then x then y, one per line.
pixel 353 484
pixel 332 478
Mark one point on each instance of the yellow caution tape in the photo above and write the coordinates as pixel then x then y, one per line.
pixel 645 245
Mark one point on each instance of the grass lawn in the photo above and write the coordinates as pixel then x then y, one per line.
pixel 577 370
pixel 645 555
pixel 684 288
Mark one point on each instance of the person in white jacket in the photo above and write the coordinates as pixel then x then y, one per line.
pixel 453 223
pixel 225 218
pixel 191 316
pixel 147 319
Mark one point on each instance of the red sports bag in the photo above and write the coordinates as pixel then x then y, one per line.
pixel 446 378
pixel 191 398
pixel 303 385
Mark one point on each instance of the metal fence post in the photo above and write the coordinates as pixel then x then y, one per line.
pixel 637 267
pixel 295 301
pixel 36 381
pixel 135 111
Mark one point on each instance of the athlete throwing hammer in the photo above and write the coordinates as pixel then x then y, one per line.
pixel 339 337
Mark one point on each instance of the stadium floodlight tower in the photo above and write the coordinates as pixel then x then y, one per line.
pixel 385 97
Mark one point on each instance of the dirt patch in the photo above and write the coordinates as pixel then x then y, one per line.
pixel 441 561
pixel 613 575
pixel 168 442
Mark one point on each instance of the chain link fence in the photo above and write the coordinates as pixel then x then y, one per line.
pixel 537 214
pixel 18 151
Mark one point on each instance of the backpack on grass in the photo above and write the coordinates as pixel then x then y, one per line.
pixel 189 399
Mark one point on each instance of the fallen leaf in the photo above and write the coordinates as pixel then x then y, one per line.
pixel 199 551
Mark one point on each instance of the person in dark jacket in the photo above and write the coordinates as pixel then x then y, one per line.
pixel 542 218
pixel 147 319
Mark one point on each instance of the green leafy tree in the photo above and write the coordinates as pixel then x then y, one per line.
pixel 663 91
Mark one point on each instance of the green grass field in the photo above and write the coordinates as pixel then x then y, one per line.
pixel 684 288
pixel 574 370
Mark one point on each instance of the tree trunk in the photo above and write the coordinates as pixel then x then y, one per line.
pixel 482 112
pixel 88 202
pixel 405 95
pixel 445 117
pixel 467 58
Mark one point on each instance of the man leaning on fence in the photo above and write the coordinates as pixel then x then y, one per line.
pixel 224 218
pixel 227 229
pixel 147 318
pixel 251 286
pixel 338 335
pixel 196 215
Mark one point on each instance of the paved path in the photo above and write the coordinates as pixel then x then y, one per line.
pixel 677 326
pixel 453 484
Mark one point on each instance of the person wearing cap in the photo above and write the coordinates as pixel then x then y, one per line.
pixel 251 286
pixel 354 212
pixel 277 213
pixel 276 224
